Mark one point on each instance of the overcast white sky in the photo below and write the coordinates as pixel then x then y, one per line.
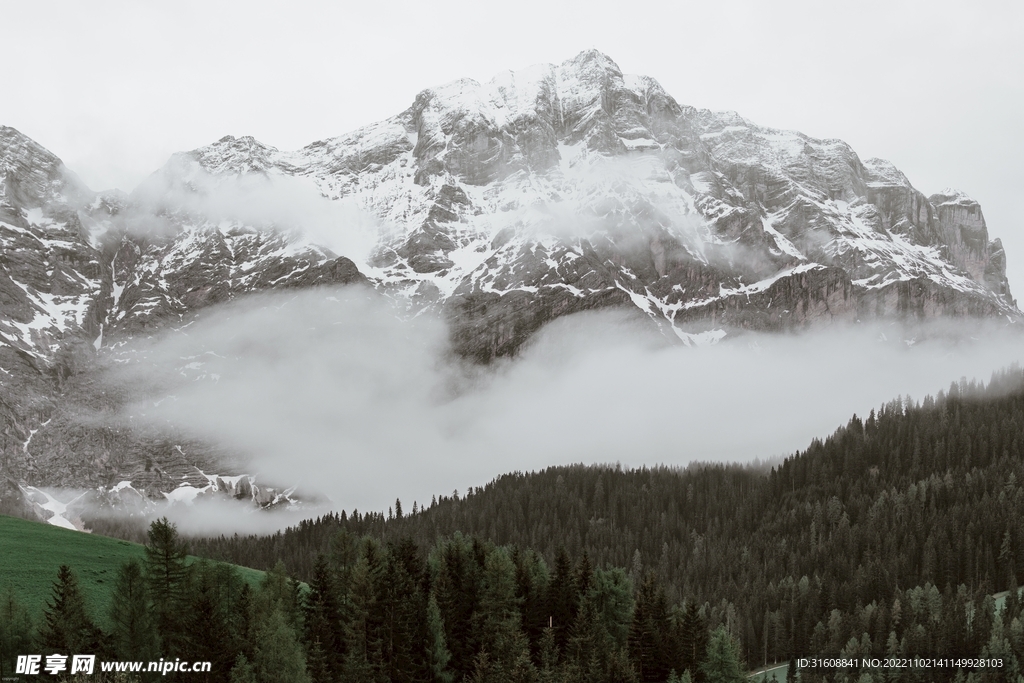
pixel 114 88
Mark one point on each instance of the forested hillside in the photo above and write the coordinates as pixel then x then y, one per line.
pixel 883 538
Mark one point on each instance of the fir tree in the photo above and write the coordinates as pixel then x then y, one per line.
pixel 67 627
pixel 501 635
pixel 167 575
pixel 563 599
pixel 402 610
pixel 279 656
pixel 693 640
pixel 208 632
pixel 438 653
pixel 242 671
pixel 648 646
pixel 133 633
pixel 722 663
pixel 323 621
pixel 16 633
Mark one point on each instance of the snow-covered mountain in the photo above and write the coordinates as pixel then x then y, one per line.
pixel 505 204
pixel 561 188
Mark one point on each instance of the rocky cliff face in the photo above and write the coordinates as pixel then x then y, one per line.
pixel 503 205
pixel 563 188
pixel 81 271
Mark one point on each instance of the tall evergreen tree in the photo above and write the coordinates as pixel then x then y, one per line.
pixel 67 627
pixel 612 595
pixel 16 633
pixel 208 621
pixel 501 636
pixel 402 608
pixel 280 592
pixel 438 653
pixel 167 575
pixel 244 622
pixel 563 599
pixel 722 663
pixel 457 591
pixel 242 671
pixel 363 647
pixel 693 641
pixel 279 657
pixel 133 633
pixel 323 621
pixel 531 592
pixel 648 646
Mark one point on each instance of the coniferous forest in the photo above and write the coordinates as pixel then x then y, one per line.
pixel 894 537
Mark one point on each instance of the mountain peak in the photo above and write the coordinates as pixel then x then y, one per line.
pixel 31 175
pixel 952 196
pixel 235 156
pixel 19 150
pixel 594 58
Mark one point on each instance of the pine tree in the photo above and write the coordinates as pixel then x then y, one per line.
pixel 531 592
pixel 693 640
pixel 563 599
pixel 279 592
pixel 648 646
pixel 722 664
pixel 67 627
pixel 502 638
pixel 244 621
pixel 457 590
pixel 208 622
pixel 362 637
pixel 316 663
pixel 548 663
pixel 323 621
pixel 242 671
pixel 167 575
pixel 612 596
pixel 402 609
pixel 16 634
pixel 437 653
pixel 133 634
pixel 279 656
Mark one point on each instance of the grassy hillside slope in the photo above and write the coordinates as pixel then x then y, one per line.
pixel 31 552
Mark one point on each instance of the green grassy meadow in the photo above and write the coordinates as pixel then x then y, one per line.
pixel 31 552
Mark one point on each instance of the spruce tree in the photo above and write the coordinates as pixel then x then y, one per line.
pixel 323 621
pixel 722 664
pixel 208 622
pixel 244 621
pixel 402 609
pixel 316 663
pixel 648 647
pixel 457 590
pixel 501 635
pixel 67 628
pixel 362 643
pixel 693 640
pixel 242 671
pixel 563 599
pixel 279 657
pixel 437 653
pixel 167 575
pixel 16 633
pixel 133 633
pixel 531 591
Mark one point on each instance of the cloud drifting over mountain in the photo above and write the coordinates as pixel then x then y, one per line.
pixel 333 391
